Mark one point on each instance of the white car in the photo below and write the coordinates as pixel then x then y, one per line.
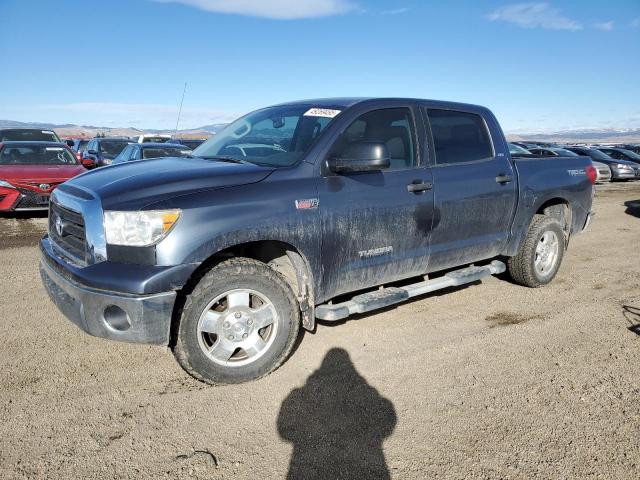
pixel 150 138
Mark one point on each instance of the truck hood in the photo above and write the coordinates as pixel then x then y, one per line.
pixel 39 173
pixel 135 185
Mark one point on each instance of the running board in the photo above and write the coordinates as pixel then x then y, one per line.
pixel 392 295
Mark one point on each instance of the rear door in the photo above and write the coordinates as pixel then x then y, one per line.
pixel 376 225
pixel 475 187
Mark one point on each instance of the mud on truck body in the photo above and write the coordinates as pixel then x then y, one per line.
pixel 303 211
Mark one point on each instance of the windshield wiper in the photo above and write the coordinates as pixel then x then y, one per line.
pixel 227 159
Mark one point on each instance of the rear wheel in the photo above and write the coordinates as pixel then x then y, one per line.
pixel 238 324
pixel 540 254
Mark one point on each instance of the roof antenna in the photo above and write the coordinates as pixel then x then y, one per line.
pixel 175 135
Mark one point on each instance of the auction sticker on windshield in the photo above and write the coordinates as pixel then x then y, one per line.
pixel 321 112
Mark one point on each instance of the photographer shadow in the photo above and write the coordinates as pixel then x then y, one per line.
pixel 337 423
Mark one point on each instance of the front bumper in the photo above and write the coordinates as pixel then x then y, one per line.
pixel 107 314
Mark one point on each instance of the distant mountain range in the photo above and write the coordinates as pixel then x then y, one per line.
pixel 89 131
pixel 589 135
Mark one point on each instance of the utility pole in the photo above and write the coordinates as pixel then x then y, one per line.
pixel 180 110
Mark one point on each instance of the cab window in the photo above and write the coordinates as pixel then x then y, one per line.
pixel 459 137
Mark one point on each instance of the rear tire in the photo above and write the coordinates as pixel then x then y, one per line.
pixel 239 323
pixel 540 255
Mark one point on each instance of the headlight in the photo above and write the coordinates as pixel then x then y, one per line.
pixel 6 184
pixel 139 229
pixel 622 166
pixel 107 161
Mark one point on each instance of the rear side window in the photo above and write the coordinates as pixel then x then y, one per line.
pixel 459 137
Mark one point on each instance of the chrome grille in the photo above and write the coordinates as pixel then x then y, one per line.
pixel 67 233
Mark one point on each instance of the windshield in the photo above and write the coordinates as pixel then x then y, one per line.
pixel 630 154
pixel 274 137
pixel 113 147
pixel 597 154
pixel 165 152
pixel 155 139
pixel 517 150
pixel 564 152
pixel 36 155
pixel 28 135
pixel 190 143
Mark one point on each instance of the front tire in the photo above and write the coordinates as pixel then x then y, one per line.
pixel 540 255
pixel 239 323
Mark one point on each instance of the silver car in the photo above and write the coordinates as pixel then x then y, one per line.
pixel 604 172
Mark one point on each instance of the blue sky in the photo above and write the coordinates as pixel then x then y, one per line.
pixel 540 66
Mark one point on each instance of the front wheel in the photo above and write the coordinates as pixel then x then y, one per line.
pixel 540 254
pixel 239 323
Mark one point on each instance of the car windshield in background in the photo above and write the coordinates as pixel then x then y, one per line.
pixel 274 137
pixel 113 147
pixel 190 143
pixel 630 153
pixel 598 155
pixel 518 151
pixel 36 155
pixel 165 152
pixel 564 153
pixel 28 135
pixel 154 139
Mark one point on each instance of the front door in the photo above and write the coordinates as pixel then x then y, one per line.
pixel 376 225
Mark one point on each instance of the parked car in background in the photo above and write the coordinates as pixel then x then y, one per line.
pixel 30 171
pixel 28 135
pixel 621 154
pixel 620 169
pixel 144 151
pixel 103 150
pixel 188 142
pixel 150 138
pixel 604 172
pixel 79 146
pixel 553 152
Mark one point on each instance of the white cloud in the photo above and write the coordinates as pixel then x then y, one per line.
pixel 396 11
pixel 604 26
pixel 274 9
pixel 534 15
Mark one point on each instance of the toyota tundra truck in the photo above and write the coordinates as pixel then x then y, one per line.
pixel 304 211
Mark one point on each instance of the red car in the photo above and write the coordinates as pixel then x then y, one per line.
pixel 30 171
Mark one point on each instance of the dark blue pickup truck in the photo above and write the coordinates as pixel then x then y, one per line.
pixel 302 211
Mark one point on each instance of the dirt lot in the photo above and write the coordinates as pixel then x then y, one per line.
pixel 489 381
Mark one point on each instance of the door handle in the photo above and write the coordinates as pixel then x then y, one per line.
pixel 502 178
pixel 419 187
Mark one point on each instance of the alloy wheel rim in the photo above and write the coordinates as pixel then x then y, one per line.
pixel 547 252
pixel 237 327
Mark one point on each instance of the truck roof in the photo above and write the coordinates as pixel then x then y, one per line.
pixel 346 102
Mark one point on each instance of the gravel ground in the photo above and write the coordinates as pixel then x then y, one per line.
pixel 489 381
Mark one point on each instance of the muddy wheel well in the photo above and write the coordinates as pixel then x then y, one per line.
pixel 559 209
pixel 280 256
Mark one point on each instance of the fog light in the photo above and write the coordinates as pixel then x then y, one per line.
pixel 116 318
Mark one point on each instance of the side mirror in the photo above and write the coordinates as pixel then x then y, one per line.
pixel 92 152
pixel 361 157
pixel 69 142
pixel 87 163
